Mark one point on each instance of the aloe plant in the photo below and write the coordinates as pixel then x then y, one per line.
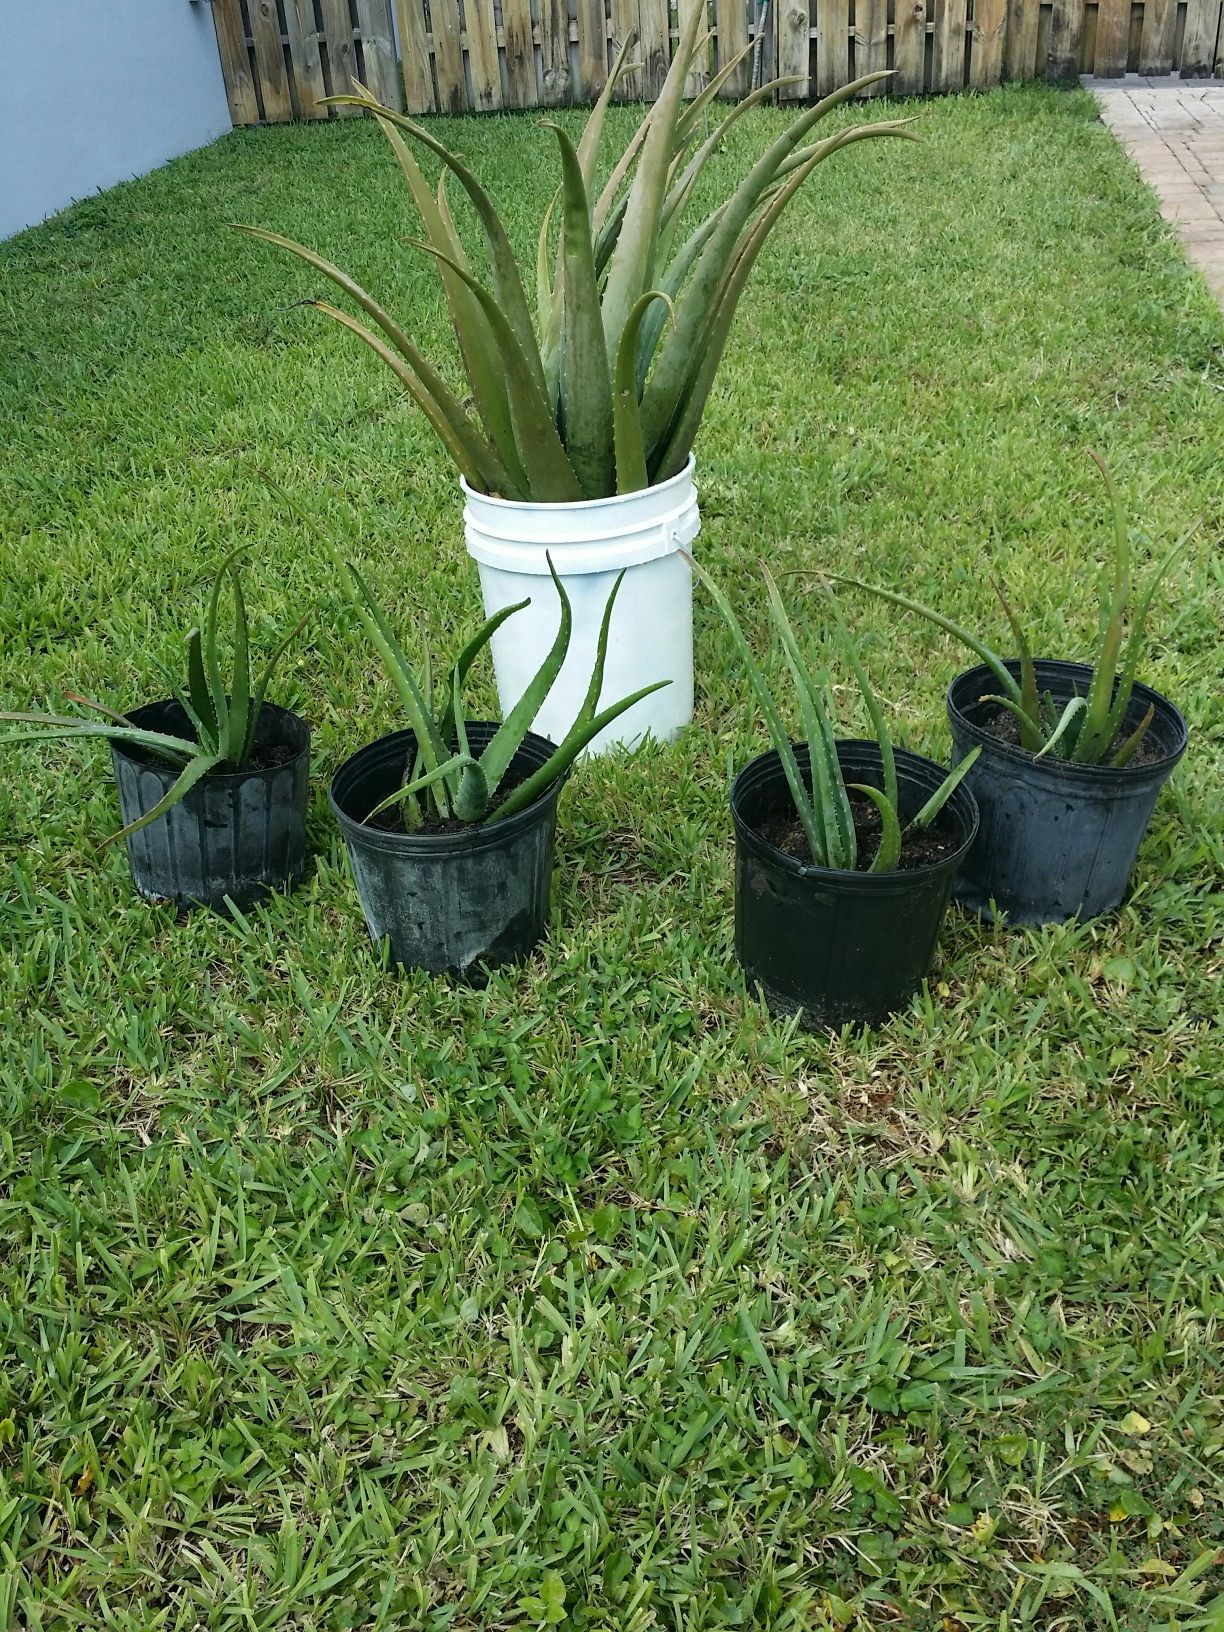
pixel 822 799
pixel 602 390
pixel 458 784
pixel 1088 729
pixel 224 709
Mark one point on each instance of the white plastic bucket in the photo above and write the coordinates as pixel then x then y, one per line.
pixel 651 635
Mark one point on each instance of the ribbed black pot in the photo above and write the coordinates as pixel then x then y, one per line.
pixel 1057 840
pixel 240 835
pixel 839 948
pixel 451 903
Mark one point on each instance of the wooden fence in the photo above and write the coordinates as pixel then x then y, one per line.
pixel 281 57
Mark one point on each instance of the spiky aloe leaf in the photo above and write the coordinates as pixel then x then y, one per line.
pixel 444 774
pixel 991 659
pixel 509 736
pixel 191 774
pixel 469 450
pixel 210 652
pixel 1126 751
pixel 875 713
pixel 260 694
pixel 58 727
pixel 1077 707
pixel 679 267
pixel 1095 735
pixel 199 696
pixel 1030 702
pixel 632 264
pixel 448 721
pixel 777 730
pixel 242 723
pixel 631 473
pixel 946 789
pixel 548 468
pixel 586 388
pixel 689 119
pixel 1134 640
pixel 889 852
pixel 681 189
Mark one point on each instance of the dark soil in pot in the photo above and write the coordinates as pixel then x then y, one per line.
pixel 237 834
pixel 1057 840
pixel 456 898
pixel 841 948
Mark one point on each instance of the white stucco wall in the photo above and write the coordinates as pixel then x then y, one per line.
pixel 95 91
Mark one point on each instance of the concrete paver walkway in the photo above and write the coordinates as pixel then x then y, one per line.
pixel 1174 130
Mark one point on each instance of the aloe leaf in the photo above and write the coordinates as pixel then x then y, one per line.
pixel 631 267
pixel 946 789
pixel 991 659
pixel 549 471
pixel 875 713
pixel 509 735
pixel 830 806
pixel 472 793
pixel 1030 702
pixel 1134 641
pixel 586 387
pixel 675 360
pixel 777 730
pixel 621 169
pixel 260 694
pixel 512 299
pixel 1095 734
pixel 407 791
pixel 466 446
pixel 576 740
pixel 241 725
pixel 679 267
pixel 58 727
pixel 631 474
pixel 691 116
pixel 210 653
pixel 463 663
pixel 197 690
pixel 1075 708
pixel 889 852
pixel 680 191
pixel 191 774
pixel 1124 753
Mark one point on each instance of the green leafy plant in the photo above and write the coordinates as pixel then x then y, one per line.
pixel 604 390
pixel 459 784
pixel 822 800
pixel 1086 729
pixel 224 709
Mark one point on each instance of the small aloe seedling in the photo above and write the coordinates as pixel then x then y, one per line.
pixel 224 709
pixel 822 801
pixel 460 785
pixel 1087 728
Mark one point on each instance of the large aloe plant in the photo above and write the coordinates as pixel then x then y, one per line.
pixel 603 389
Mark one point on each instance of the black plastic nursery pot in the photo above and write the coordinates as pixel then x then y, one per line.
pixel 839 948
pixel 456 903
pixel 240 835
pixel 1057 840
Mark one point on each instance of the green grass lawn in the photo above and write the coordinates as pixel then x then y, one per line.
pixel 599 1297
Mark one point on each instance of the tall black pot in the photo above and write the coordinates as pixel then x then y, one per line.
pixel 240 835
pixel 454 903
pixel 1057 840
pixel 841 948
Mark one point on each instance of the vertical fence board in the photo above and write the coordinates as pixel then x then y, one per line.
pixel 306 58
pixel 520 54
pixel 414 57
pixel 1066 33
pixel 1157 37
pixel 986 42
pixel 483 66
pixel 341 52
pixel 655 46
pixel 624 20
pixel 1112 37
pixel 1020 55
pixel 909 47
pixel 270 60
pixel 592 48
pixel 378 51
pixel 731 18
pixel 948 56
pixel 765 42
pixel 448 56
pixel 870 40
pixel 558 77
pixel 698 76
pixel 794 49
pixel 1199 40
pixel 832 45
pixel 235 62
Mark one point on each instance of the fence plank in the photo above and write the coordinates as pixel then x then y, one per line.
pixel 306 58
pixel 270 61
pixel 765 38
pixel 520 54
pixel 448 56
pixel 1157 37
pixel 794 48
pixel 1112 38
pixel 1066 33
pixel 378 51
pixel 1020 53
pixel 909 47
pixel 624 22
pixel 731 20
pixel 654 32
pixel 483 65
pixel 592 48
pixel 832 45
pixel 235 62
pixel 341 52
pixel 558 87
pixel 414 55
pixel 698 76
pixel 986 42
pixel 1199 39
pixel 871 40
pixel 948 57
